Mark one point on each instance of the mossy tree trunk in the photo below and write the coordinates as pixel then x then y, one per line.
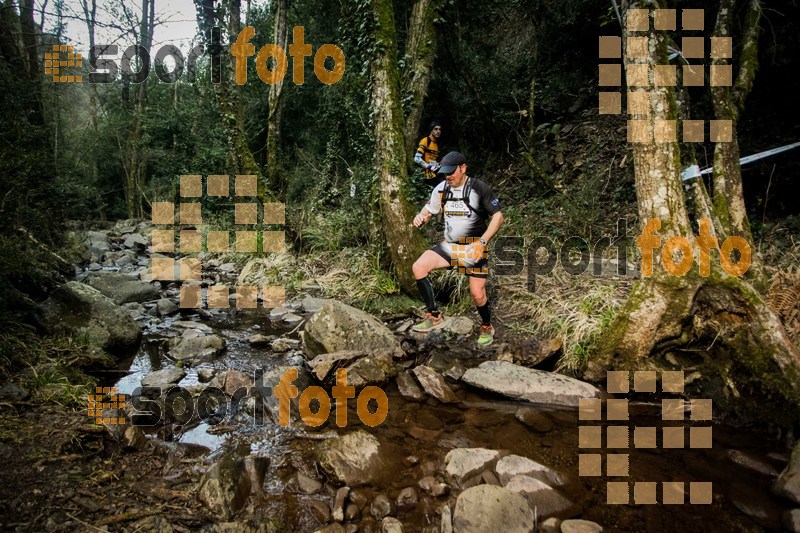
pixel 281 37
pixel 404 242
pixel 715 323
pixel 420 53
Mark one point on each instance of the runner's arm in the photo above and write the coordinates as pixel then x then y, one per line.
pixel 494 226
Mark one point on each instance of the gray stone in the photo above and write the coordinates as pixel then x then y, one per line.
pixel 134 309
pixel 122 288
pixel 515 465
pixel 372 369
pixel 528 384
pixel 464 466
pixel 791 520
pixel 164 377
pixel 166 307
pixel 237 383
pixel 308 485
pixel 455 372
pixel 194 347
pixel 751 463
pixel 489 508
pixel 551 525
pixel 188 324
pixel 272 378
pixel 337 327
pixel 381 506
pixel 534 419
pixel 320 510
pixel 311 304
pixel 278 313
pixel 322 364
pixel 353 459
pixel 136 242
pixel 391 525
pixel 580 526
pixel 224 487
pixel 459 325
pixel 134 438
pixel 408 387
pixel 292 318
pixel 204 375
pixel 284 345
pixel 788 483
pixel 446 523
pixel 260 340
pixel 83 312
pixel 542 498
pixel 338 503
pixel 433 383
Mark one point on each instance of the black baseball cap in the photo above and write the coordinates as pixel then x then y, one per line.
pixel 450 162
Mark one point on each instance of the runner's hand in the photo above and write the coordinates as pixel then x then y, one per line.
pixel 476 250
pixel 421 219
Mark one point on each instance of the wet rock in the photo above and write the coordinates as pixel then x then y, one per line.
pixel 194 347
pixel 256 468
pixel 534 419
pixel 272 378
pixel 391 525
pixel 580 526
pixel 98 244
pixel 13 393
pixel 788 483
pixel 353 459
pixel 339 502
pixel 359 498
pixel 307 484
pixel 134 309
pixel 166 307
pixel 83 312
pixel 311 304
pixel 237 381
pixel 791 520
pixel 337 327
pixel 372 369
pixel 408 387
pixel 188 324
pixel 464 466
pixel 515 465
pixel 381 506
pixel 751 463
pixel 544 499
pixel 164 377
pixel 528 384
pixel 459 325
pixel 320 510
pixel 455 372
pixel 433 383
pixel 352 512
pixel 204 375
pixel 225 487
pixel 122 288
pixel 136 242
pixel 322 364
pixel 284 345
pixel 551 525
pixel 446 522
pixel 407 499
pixel 489 508
pixel 292 319
pixel 260 340
pixel 279 312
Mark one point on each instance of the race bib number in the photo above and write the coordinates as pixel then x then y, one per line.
pixel 456 208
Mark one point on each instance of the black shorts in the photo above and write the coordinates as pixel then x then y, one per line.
pixel 464 264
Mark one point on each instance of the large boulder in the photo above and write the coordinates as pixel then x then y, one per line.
pixel 85 313
pixel 788 483
pixel 542 498
pixel 354 459
pixel 226 485
pixel 490 508
pixel 464 466
pixel 516 465
pixel 193 346
pixel 529 384
pixel 122 288
pixel 338 327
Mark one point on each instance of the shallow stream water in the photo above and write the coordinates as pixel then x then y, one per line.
pixel 741 464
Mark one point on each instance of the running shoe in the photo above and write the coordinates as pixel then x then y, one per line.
pixel 429 323
pixel 487 336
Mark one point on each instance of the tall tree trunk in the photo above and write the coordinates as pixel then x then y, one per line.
pixel 744 347
pixel 137 166
pixel 34 71
pixel 240 158
pixel 420 53
pixel 403 241
pixel 728 195
pixel 90 12
pixel 281 37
